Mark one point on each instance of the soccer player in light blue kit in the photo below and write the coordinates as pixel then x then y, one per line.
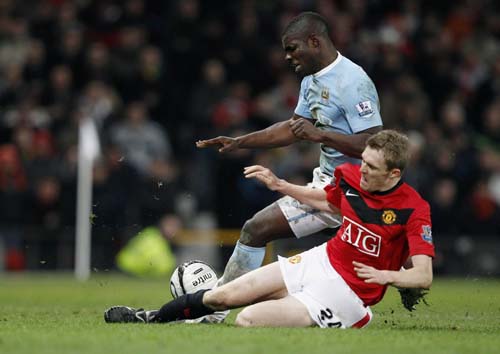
pixel 338 107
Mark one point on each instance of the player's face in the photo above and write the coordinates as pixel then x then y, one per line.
pixel 374 173
pixel 300 55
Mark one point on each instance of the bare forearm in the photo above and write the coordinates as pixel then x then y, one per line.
pixel 420 276
pixel 410 278
pixel 350 145
pixel 276 135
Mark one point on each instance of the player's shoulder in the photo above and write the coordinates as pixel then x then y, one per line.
pixel 346 62
pixel 352 80
pixel 305 82
pixel 412 196
pixel 349 172
pixel 350 68
pixel 349 168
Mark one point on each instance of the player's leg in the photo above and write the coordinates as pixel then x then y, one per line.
pixel 261 284
pixel 266 225
pixel 284 312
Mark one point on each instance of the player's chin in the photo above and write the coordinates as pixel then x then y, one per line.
pixel 300 70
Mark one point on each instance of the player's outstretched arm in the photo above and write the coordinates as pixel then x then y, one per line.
pixel 350 145
pixel 277 135
pixel 314 197
pixel 222 143
pixel 419 276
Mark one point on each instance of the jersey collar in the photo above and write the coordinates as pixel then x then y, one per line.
pixel 329 66
pixel 400 182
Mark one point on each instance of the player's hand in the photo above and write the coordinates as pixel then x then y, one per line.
pixel 303 129
pixel 370 274
pixel 222 143
pixel 264 175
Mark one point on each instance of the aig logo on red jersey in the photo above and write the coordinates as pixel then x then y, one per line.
pixel 361 238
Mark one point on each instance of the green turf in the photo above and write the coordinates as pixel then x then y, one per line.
pixel 51 313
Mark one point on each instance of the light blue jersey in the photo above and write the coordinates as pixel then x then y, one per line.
pixel 342 99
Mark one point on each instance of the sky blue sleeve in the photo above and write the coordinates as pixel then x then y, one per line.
pixel 302 108
pixel 361 104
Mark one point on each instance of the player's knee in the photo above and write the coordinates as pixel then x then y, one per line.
pixel 251 233
pixel 245 318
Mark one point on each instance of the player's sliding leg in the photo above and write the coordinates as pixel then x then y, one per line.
pixel 284 312
pixel 262 284
pixel 267 225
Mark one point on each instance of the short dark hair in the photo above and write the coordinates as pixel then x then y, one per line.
pixel 306 24
pixel 394 145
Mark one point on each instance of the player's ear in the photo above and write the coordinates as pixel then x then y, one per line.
pixel 395 173
pixel 313 40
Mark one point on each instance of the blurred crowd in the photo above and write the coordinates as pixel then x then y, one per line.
pixel 157 75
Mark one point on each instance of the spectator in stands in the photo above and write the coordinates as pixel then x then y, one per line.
pixel 141 139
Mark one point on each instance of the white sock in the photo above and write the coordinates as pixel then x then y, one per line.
pixel 243 260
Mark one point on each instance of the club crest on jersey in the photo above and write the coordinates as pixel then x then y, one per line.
pixel 295 259
pixel 360 237
pixel 426 233
pixel 388 217
pixel 325 94
pixel 364 108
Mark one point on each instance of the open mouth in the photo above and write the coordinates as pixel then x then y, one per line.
pixel 296 66
pixel 363 182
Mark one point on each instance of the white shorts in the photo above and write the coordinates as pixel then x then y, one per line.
pixel 303 219
pixel 310 278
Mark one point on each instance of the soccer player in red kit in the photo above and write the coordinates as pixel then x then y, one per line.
pixel 385 223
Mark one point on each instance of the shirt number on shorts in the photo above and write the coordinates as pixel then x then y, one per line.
pixel 325 316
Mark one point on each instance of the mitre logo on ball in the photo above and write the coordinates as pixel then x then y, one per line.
pixel 202 279
pixel 191 276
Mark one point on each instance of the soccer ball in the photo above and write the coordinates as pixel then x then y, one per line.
pixel 191 276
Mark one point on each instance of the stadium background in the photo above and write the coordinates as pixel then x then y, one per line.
pixel 158 75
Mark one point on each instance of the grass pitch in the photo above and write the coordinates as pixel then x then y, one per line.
pixel 52 313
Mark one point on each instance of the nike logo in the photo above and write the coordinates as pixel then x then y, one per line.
pixel 350 194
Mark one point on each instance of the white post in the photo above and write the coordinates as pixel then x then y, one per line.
pixel 88 150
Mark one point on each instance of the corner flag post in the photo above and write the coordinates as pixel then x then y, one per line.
pixel 88 150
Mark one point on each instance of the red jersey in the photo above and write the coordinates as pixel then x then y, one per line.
pixel 380 229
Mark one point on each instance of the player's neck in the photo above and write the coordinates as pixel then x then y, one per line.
pixel 330 58
pixel 391 184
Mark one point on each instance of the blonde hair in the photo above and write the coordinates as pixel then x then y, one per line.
pixel 394 145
